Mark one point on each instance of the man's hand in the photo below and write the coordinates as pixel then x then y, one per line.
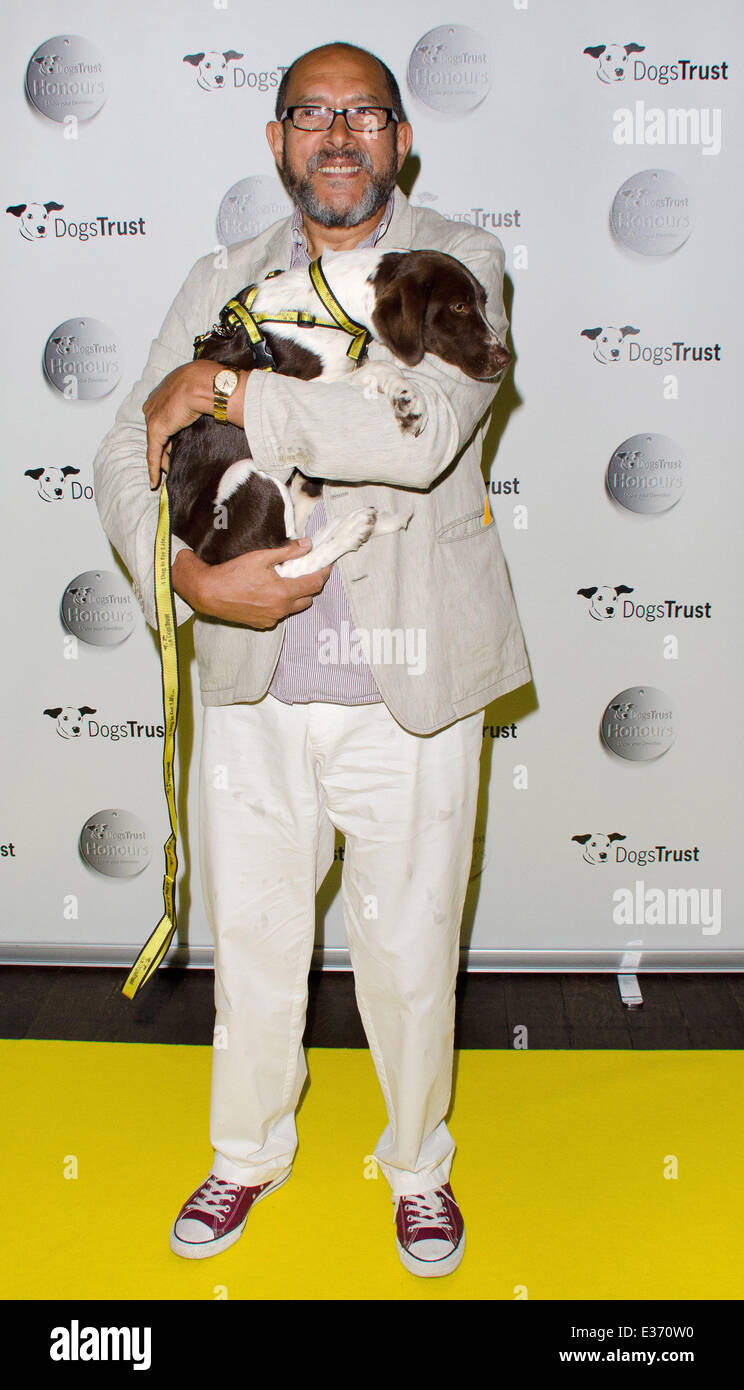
pixel 248 589
pixel 182 396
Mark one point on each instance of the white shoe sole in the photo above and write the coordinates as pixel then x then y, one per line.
pixel 432 1269
pixel 201 1250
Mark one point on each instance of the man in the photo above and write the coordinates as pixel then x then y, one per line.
pixel 294 745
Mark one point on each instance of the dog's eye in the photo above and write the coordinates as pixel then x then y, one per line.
pixel 460 308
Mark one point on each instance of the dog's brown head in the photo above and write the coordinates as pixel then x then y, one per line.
pixel 429 302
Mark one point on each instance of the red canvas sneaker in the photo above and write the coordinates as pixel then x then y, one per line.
pixel 430 1232
pixel 214 1216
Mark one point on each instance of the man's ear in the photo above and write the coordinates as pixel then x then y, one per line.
pixel 398 320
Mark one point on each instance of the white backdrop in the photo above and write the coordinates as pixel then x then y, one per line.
pixel 515 127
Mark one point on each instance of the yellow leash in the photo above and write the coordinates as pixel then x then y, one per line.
pixel 155 948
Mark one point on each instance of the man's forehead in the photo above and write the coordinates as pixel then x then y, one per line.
pixel 359 79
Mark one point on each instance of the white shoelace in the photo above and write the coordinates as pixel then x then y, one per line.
pixel 429 1210
pixel 215 1198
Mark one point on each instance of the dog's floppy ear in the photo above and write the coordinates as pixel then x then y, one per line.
pixel 18 210
pixel 53 713
pixel 582 839
pixel 615 835
pixel 587 593
pixel 595 50
pixel 590 332
pixel 194 59
pixel 398 320
pixel 34 473
pixel 54 207
pixel 231 55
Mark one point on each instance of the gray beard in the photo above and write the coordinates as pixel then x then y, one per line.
pixel 374 197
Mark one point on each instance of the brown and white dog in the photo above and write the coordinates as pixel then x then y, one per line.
pixel 413 302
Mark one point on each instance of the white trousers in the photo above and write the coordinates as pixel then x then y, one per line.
pixel 274 781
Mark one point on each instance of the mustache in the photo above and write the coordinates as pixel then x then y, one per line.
pixel 352 155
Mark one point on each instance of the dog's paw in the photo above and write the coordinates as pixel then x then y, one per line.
pixel 409 410
pixel 354 529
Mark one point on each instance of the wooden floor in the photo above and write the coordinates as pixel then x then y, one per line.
pixel 559 1011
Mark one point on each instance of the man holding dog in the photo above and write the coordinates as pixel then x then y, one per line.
pixel 389 757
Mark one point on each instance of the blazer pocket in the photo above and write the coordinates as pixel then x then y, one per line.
pixel 466 526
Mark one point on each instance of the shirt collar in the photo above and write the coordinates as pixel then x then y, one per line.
pixel 299 239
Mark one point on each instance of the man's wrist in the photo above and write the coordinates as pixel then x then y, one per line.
pixel 187 573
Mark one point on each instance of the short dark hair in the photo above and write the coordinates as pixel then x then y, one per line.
pixel 392 86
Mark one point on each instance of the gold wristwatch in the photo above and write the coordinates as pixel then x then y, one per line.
pixel 224 384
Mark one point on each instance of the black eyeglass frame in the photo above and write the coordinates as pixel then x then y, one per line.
pixel 339 111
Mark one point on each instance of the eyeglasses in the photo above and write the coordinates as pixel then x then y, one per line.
pixel 365 119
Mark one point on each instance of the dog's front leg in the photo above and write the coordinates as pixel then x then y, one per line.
pixel 341 536
pixel 381 379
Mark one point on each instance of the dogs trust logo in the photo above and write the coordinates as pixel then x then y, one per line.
pixel 449 69
pixel 597 847
pixel 33 218
pixel 646 473
pixel 70 719
pixel 603 599
pixel 211 68
pixel 51 482
pixel 66 77
pixel 611 59
pixel 215 72
pixel 608 341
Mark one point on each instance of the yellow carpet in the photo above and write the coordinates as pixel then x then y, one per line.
pixel 560 1174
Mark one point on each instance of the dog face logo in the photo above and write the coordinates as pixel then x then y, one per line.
pixel 46 62
pixel 33 218
pixel 623 711
pixel 212 68
pixel 51 481
pixel 80 595
pixel 608 341
pixel 612 59
pixel 430 51
pixel 597 847
pixel 602 600
pixel 69 719
pixel 97 831
pixel 64 345
pixel 628 458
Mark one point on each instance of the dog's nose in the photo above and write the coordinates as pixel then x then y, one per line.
pixel 219 80
pixel 499 357
pixel 58 492
pixel 41 231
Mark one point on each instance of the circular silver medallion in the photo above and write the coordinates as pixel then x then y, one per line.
pixel 66 77
pixel 249 207
pixel 449 69
pixel 640 723
pixel 116 843
pixel 81 359
pixel 653 212
pixel 97 608
pixel 647 473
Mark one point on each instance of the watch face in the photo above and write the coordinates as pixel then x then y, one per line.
pixel 226 380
